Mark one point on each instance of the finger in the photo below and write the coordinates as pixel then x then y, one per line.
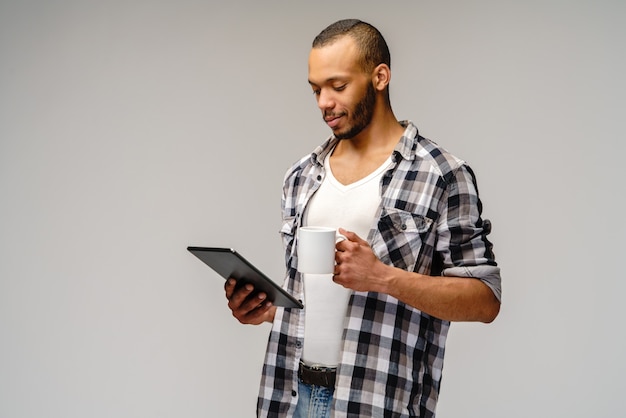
pixel 253 310
pixel 258 306
pixel 229 287
pixel 338 278
pixel 245 300
pixel 253 302
pixel 352 236
pixel 258 315
pixel 238 295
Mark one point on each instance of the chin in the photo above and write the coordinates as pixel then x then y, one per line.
pixel 346 133
pixel 349 133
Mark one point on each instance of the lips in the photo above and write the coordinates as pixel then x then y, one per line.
pixel 332 121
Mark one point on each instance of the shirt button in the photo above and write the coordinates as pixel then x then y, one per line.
pixel 319 177
pixel 403 227
pixel 294 393
pixel 298 344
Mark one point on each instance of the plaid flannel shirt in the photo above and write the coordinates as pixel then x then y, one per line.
pixel 429 221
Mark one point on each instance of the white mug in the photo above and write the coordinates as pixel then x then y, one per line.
pixel 316 249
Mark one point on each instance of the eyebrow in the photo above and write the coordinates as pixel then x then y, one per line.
pixel 330 80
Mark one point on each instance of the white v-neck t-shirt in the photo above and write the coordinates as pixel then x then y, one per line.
pixel 335 205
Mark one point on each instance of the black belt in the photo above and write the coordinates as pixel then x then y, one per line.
pixel 318 376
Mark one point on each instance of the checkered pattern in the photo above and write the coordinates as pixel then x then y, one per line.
pixel 392 358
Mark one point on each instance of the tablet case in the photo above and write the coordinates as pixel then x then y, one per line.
pixel 229 263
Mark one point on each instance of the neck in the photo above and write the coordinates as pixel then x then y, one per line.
pixel 380 136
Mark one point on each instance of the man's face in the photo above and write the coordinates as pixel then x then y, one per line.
pixel 344 93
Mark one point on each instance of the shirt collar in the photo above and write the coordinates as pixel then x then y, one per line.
pixel 406 146
pixel 320 153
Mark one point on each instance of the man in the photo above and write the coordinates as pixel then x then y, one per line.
pixel 416 255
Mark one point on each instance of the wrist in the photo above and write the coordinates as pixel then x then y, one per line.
pixel 388 278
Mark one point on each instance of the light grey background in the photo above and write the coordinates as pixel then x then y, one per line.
pixel 131 129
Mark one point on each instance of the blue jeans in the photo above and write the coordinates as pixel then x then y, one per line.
pixel 313 401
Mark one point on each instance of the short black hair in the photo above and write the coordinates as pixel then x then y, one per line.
pixel 371 44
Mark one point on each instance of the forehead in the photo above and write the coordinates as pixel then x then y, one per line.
pixel 339 59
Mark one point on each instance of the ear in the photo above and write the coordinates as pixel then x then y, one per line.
pixel 381 76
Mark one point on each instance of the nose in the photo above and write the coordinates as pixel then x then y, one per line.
pixel 325 100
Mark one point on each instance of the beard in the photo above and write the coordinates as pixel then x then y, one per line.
pixel 361 115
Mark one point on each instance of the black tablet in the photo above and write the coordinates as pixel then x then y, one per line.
pixel 229 263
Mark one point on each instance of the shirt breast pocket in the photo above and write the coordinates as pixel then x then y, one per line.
pixel 404 238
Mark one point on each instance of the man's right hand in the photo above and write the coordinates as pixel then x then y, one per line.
pixel 246 306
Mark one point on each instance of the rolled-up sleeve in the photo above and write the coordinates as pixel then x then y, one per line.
pixel 490 275
pixel 462 234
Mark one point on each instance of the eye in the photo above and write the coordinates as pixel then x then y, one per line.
pixel 340 88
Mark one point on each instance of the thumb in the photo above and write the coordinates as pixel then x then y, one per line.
pixel 351 236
